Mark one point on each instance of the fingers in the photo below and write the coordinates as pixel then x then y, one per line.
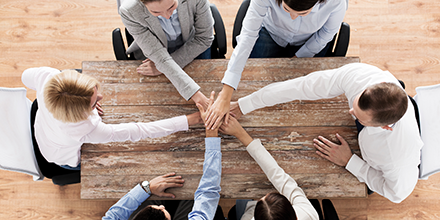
pixel 227 118
pixel 200 107
pixel 341 139
pixel 169 174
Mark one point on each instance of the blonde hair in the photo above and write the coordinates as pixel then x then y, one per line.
pixel 68 96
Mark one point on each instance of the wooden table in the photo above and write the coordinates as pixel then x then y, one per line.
pixel 286 130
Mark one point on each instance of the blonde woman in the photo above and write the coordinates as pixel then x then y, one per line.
pixel 68 116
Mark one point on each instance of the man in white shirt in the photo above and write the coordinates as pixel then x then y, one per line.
pixel 390 142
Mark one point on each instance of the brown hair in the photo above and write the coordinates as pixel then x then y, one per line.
pixel 68 96
pixel 274 206
pixel 150 213
pixel 299 5
pixel 386 101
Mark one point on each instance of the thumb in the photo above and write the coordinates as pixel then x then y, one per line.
pixel 169 195
pixel 200 107
pixel 341 139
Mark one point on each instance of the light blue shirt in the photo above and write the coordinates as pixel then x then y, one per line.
pixel 206 197
pixel 172 30
pixel 313 31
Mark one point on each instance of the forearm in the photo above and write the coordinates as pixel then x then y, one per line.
pixel 207 195
pixel 127 204
pixel 104 133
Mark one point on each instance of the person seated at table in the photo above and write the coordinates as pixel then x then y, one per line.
pixel 168 35
pixel 388 133
pixel 278 28
pixel 289 202
pixel 68 116
pixel 206 197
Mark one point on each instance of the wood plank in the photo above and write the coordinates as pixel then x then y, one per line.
pixel 213 71
pixel 273 138
pixel 336 185
pixel 166 94
pixel 289 114
pixel 191 162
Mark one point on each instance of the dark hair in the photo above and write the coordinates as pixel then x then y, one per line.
pixel 299 5
pixel 150 213
pixel 386 101
pixel 274 206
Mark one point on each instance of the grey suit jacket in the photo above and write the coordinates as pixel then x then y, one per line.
pixel 197 32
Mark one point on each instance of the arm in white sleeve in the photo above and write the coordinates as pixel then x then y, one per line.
pixel 283 182
pixel 395 184
pixel 136 131
pixel 316 85
pixel 325 34
pixel 245 42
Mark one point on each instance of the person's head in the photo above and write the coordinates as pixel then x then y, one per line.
pixel 298 7
pixel 274 206
pixel 71 96
pixel 380 105
pixel 163 8
pixel 153 212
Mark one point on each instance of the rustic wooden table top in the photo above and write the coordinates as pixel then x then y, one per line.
pixel 286 130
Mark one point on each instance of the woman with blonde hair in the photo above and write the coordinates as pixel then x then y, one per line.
pixel 68 116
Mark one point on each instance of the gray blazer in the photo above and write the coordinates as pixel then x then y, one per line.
pixel 197 32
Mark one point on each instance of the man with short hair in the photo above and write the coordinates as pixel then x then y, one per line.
pixel 206 197
pixel 388 135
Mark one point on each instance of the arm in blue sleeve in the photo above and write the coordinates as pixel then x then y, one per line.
pixel 207 195
pixel 127 204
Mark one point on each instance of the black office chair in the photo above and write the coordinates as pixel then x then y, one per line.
pixel 59 176
pixel 341 40
pixel 218 47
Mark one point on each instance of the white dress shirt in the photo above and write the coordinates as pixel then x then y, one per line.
pixel 61 142
pixel 313 31
pixel 390 158
pixel 284 183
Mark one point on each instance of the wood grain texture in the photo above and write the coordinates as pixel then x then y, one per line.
pixel 31 35
pixel 131 97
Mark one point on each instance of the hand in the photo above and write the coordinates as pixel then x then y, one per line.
pixel 338 154
pixel 147 68
pixel 199 98
pixel 235 110
pixel 194 119
pixel 220 108
pixel 99 108
pixel 203 113
pixel 159 184
pixel 234 128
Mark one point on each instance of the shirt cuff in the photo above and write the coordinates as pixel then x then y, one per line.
pixel 304 52
pixel 181 123
pixel 231 79
pixel 139 193
pixel 212 143
pixel 245 104
pixel 355 164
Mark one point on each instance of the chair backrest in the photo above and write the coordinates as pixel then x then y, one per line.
pixel 219 47
pixel 16 149
pixel 428 101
